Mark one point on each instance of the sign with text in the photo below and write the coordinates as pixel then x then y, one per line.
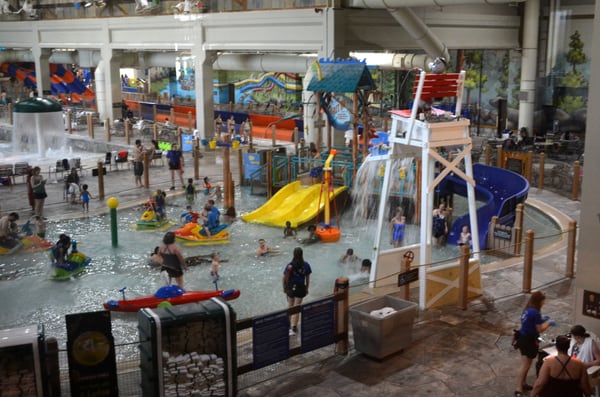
pixel 317 324
pixel 408 277
pixel 591 304
pixel 251 164
pixel 91 354
pixel 270 339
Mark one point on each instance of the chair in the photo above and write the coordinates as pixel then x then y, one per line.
pixel 76 164
pixel 157 155
pixel 59 167
pixel 21 169
pixel 6 173
pixel 122 158
pixel 108 160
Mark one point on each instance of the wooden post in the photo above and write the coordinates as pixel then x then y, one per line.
pixel 90 126
pixel 241 165
pixel 290 158
pixel 296 140
pixel 571 244
pixel 10 117
pixel 342 287
pixel 463 277
pixel 518 229
pixel 269 174
pixel 154 113
pixel 542 169
pixel 52 366
pixel 530 167
pixel 250 144
pixel 499 154
pixel 107 129
pixel 100 180
pixel 226 171
pixel 273 135
pixel 576 172
pixel 528 261
pixel 190 123
pixel 404 267
pixel 155 131
pixel 127 131
pixel 69 119
pixel 196 156
pixel 319 120
pixel 146 170
pixel 172 114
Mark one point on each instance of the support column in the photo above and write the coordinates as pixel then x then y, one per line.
pixel 528 64
pixel 41 58
pixel 203 61
pixel 108 91
pixel 427 176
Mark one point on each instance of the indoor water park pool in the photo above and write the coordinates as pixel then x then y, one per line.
pixel 36 299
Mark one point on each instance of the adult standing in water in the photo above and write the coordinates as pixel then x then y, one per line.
pixel 175 159
pixel 38 186
pixel 296 280
pixel 138 162
pixel 173 260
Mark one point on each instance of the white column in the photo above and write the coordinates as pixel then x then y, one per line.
pixel 528 63
pixel 588 277
pixel 42 70
pixel 427 177
pixel 109 99
pixel 203 61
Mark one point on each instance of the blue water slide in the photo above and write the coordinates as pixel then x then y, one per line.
pixel 500 191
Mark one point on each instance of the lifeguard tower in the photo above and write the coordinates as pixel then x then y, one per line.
pixel 420 133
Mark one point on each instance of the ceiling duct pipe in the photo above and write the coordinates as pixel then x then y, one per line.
pixel 62 57
pixel 264 62
pixel 417 29
pixel 379 4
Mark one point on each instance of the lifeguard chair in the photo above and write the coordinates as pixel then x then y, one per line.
pixel 425 129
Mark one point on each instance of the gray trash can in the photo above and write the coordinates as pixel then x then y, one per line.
pixel 378 337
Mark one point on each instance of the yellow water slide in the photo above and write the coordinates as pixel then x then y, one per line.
pixel 294 202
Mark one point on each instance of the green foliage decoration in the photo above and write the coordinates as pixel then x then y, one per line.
pixel 571 103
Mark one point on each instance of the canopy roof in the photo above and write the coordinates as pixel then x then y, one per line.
pixel 37 105
pixel 346 75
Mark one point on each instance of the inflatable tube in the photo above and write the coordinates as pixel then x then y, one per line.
pixel 30 244
pixel 180 297
pixel 190 234
pixel 76 264
pixel 149 220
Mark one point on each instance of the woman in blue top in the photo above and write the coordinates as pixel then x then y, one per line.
pixel 532 324
pixel 296 279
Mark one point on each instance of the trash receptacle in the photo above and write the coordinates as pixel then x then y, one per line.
pixel 379 336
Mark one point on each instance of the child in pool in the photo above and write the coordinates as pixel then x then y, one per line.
pixel 289 231
pixel 214 269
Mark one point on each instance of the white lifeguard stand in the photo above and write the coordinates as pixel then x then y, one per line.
pixel 419 134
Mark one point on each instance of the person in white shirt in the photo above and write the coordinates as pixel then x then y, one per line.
pixel 584 347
